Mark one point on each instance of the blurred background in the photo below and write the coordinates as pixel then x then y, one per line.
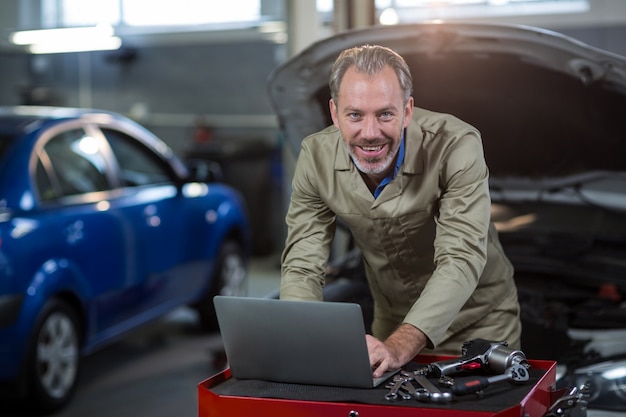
pixel 195 73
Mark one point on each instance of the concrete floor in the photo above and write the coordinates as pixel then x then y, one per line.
pixel 155 372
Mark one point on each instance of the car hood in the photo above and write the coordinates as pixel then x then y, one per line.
pixel 550 108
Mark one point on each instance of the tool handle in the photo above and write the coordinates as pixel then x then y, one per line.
pixel 469 385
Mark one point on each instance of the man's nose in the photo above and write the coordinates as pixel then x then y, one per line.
pixel 370 127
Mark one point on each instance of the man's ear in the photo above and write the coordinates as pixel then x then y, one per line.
pixel 333 112
pixel 408 111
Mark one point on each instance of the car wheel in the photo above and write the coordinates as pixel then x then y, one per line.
pixel 229 278
pixel 53 359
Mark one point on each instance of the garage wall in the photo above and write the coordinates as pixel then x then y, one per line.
pixel 165 87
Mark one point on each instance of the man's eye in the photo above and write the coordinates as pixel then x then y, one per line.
pixel 354 115
pixel 385 115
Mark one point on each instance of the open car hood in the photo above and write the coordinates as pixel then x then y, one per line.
pixel 551 110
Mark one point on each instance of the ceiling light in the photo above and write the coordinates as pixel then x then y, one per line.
pixel 77 45
pixel 48 41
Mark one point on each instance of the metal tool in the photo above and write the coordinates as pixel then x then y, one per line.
pixel 572 404
pixel 516 374
pixel 446 381
pixel 419 394
pixel 396 388
pixel 401 387
pixel 434 393
pixel 480 354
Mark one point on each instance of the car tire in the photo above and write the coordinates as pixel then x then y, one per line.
pixel 53 358
pixel 229 278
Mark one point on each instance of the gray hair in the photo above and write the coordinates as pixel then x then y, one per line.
pixel 370 59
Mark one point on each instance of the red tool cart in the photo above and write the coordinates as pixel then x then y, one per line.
pixel 221 395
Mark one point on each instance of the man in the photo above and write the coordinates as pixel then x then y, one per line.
pixel 412 185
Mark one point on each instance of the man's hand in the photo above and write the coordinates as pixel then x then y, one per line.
pixel 399 348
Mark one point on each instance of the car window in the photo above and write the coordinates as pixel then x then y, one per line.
pixel 77 162
pixel 138 164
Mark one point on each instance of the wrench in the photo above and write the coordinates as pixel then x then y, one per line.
pixel 434 393
pixel 407 386
pixel 515 374
pixel 395 388
pixel 420 394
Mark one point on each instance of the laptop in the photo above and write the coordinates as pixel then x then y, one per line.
pixel 298 342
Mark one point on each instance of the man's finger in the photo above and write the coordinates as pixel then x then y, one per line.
pixel 381 368
pixel 376 350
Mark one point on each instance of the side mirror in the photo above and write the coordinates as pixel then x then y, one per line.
pixel 201 170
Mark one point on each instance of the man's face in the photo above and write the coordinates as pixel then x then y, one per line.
pixel 370 114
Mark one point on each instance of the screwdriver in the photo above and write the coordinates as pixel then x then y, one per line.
pixel 469 385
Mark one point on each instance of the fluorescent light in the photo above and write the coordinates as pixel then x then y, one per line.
pixel 48 41
pixel 77 45
pixel 29 37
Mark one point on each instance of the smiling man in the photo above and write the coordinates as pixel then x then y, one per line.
pixel 412 186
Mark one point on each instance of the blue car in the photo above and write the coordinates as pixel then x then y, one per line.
pixel 102 229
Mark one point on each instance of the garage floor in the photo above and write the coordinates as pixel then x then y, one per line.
pixel 155 372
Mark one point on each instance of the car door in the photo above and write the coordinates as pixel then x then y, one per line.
pixel 74 186
pixel 151 198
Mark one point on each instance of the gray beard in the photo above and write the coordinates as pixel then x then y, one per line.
pixel 380 165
